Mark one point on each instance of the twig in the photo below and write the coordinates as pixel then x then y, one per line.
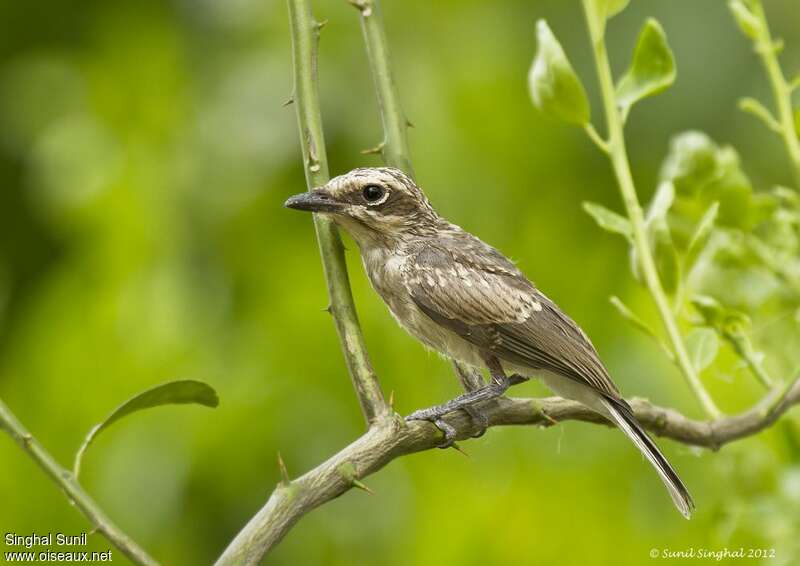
pixel 768 50
pixel 392 438
pixel 395 144
pixel 394 148
pixel 305 36
pixel 619 161
pixel 73 490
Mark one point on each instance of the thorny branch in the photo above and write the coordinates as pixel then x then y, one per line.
pixel 392 438
pixel 305 36
pixel 394 148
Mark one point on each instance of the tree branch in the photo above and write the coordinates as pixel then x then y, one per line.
pixel 305 36
pixel 394 148
pixel 393 438
pixel 73 490
pixel 395 144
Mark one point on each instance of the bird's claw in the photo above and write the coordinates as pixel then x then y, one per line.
pixel 479 418
pixel 467 403
pixel 449 433
pixel 434 415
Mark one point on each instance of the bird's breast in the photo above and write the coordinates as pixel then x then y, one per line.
pixel 386 271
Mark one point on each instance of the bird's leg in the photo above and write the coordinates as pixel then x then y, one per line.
pixel 471 380
pixel 499 385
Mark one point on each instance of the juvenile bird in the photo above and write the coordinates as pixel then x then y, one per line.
pixel 466 300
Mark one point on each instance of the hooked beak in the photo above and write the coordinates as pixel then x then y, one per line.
pixel 317 200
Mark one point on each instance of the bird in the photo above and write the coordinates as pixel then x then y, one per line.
pixel 463 298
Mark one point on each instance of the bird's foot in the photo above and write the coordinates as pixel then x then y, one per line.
pixel 478 417
pixel 466 402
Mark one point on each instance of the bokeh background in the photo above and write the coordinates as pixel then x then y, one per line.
pixel 144 158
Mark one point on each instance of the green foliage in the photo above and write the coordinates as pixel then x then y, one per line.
pixel 704 173
pixel 745 19
pixel 652 69
pixel 603 10
pixel 754 107
pixel 608 219
pixel 660 238
pixel 703 346
pixel 701 234
pixel 182 392
pixel 554 87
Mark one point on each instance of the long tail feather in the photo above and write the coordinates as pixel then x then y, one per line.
pixel 627 423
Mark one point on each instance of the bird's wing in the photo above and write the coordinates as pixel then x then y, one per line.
pixel 473 290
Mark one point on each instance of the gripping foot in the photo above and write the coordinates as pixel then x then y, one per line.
pixel 466 402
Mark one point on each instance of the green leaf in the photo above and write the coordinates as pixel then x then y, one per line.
pixel 633 263
pixel 703 172
pixel 602 10
pixel 660 238
pixel 701 234
pixel 172 393
pixel 555 88
pixel 614 7
pixel 754 107
pixel 747 21
pixel 634 319
pixel 691 162
pixel 716 315
pixel 710 309
pixel 661 203
pixel 703 347
pixel 666 258
pixel 652 69
pixel 609 220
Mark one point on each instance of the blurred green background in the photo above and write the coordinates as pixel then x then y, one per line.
pixel 144 158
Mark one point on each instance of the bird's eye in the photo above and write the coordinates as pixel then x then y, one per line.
pixel 373 193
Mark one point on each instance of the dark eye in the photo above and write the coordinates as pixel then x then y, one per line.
pixel 373 193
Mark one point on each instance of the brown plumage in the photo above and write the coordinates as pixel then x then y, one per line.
pixel 466 300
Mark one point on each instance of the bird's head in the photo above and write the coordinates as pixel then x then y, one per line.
pixel 374 204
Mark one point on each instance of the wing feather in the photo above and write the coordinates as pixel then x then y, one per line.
pixel 472 289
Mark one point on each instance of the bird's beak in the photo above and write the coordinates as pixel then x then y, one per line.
pixel 318 200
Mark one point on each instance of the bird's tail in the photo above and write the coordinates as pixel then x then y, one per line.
pixel 627 423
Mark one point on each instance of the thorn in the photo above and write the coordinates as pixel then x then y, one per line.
pixel 348 472
pixel 320 25
pixel 458 448
pixel 363 6
pixel 550 419
pixel 328 309
pixel 372 150
pixel 289 101
pixel 409 123
pixel 313 161
pixel 285 481
pixel 94 530
pixel 391 399
pixel 362 486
